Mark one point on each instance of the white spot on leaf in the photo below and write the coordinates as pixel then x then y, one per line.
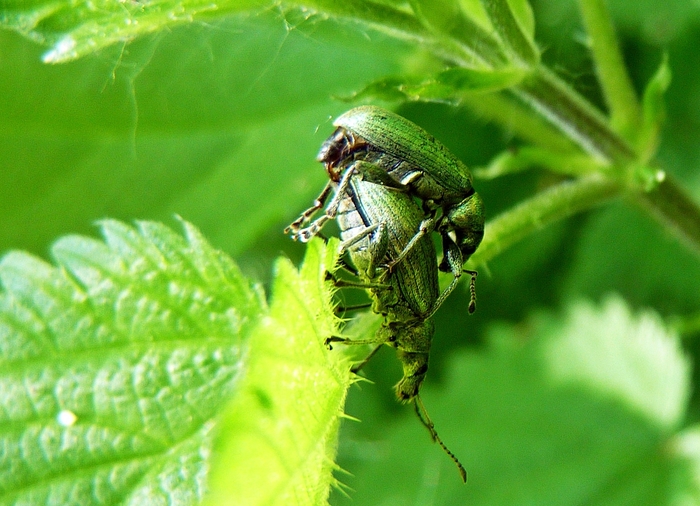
pixel 66 418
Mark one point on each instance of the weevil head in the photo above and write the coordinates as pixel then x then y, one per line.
pixel 464 224
pixel 415 367
pixel 340 146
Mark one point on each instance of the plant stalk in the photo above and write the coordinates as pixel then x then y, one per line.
pixel 554 204
pixel 573 116
pixel 675 210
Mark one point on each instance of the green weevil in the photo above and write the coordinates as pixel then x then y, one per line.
pixel 411 159
pixel 376 224
pixel 340 181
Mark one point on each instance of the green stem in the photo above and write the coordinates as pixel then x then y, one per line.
pixel 625 113
pixel 574 116
pixel 457 39
pixel 672 206
pixel 517 119
pixel 553 204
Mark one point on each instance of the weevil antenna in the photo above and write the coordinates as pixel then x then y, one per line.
pixel 425 420
pixel 472 291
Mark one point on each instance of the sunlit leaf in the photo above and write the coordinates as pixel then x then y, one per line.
pixel 278 438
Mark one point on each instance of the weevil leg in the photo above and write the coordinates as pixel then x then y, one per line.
pixel 344 283
pixel 305 234
pixel 347 341
pixel 354 307
pixel 348 244
pixel 453 262
pixel 453 258
pixel 356 368
pixel 320 201
pixel 426 227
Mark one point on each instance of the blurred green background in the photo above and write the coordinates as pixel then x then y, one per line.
pixel 220 122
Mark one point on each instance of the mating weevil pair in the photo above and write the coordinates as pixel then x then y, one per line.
pixel 401 155
pixel 377 162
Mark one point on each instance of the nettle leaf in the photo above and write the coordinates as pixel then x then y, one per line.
pixel 633 359
pixel 279 437
pixel 115 365
pixel 580 409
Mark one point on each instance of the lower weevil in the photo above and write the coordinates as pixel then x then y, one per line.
pixel 377 224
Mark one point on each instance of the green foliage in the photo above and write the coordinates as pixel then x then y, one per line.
pixel 117 363
pixel 446 86
pixel 113 364
pixel 146 368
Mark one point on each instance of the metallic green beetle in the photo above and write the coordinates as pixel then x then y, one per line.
pixel 411 159
pixel 376 224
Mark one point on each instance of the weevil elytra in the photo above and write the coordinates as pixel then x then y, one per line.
pixel 405 156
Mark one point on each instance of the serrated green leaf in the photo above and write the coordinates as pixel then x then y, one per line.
pixel 115 363
pixel 278 438
pixel 631 358
pixel 559 410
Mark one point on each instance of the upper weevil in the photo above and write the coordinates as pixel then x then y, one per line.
pixel 411 159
